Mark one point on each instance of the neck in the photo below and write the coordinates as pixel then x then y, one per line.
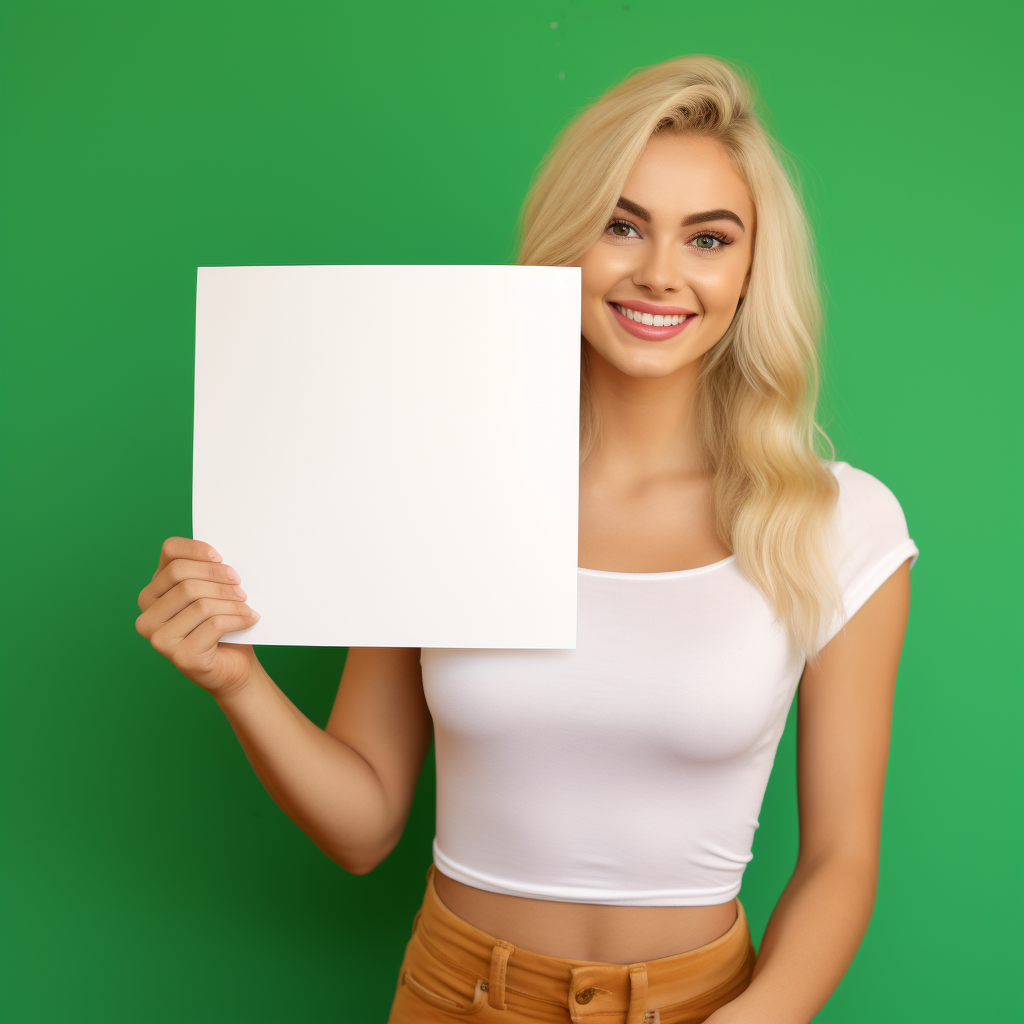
pixel 648 424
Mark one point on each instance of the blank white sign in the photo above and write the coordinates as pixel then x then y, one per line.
pixel 389 455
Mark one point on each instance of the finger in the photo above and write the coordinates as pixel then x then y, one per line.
pixel 198 651
pixel 179 569
pixel 175 640
pixel 180 596
pixel 186 547
pixel 171 549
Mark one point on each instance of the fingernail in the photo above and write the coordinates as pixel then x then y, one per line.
pixel 241 593
pixel 233 576
pixel 214 557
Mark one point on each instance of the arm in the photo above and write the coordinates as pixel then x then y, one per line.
pixel 350 786
pixel 844 720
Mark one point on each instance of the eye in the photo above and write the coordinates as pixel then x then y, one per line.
pixel 621 223
pixel 706 241
pixel 705 237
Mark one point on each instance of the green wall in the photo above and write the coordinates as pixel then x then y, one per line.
pixel 150 878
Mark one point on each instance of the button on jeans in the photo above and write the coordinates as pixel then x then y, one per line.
pixel 452 970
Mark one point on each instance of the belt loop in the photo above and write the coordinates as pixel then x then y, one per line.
pixel 496 982
pixel 637 994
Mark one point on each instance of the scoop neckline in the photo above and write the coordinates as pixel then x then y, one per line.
pixel 835 465
pixel 658 575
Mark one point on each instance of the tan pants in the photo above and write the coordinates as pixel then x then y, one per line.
pixel 452 970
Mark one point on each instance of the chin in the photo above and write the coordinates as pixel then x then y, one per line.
pixel 652 365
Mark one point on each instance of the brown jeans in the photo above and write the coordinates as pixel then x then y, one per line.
pixel 452 970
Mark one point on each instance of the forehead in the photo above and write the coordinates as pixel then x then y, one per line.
pixel 677 175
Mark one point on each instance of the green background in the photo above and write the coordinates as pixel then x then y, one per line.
pixel 150 878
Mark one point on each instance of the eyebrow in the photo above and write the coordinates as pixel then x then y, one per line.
pixel 694 218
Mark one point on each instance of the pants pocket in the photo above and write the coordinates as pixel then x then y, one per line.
pixel 473 1003
pixel 427 980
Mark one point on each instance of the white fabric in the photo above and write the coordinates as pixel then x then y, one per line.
pixel 631 770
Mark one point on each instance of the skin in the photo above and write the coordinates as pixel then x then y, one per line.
pixel 644 497
pixel 644 507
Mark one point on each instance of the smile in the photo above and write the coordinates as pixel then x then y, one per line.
pixel 650 326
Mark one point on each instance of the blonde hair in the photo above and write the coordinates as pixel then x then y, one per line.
pixel 774 494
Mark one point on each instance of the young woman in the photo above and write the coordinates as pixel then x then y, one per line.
pixel 597 806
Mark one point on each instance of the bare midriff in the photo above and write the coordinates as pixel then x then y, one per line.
pixel 586 931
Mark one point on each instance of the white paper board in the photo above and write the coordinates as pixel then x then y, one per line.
pixel 389 455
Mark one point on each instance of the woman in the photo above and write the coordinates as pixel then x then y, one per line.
pixel 597 806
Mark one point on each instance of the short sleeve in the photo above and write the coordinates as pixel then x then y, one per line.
pixel 872 539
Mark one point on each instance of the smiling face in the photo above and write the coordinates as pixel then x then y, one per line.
pixel 678 245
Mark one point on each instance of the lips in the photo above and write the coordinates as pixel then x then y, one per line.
pixel 648 331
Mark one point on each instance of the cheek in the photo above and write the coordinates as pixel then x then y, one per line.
pixel 591 326
pixel 718 289
pixel 600 271
pixel 598 278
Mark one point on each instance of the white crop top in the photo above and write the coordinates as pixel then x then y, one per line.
pixel 631 770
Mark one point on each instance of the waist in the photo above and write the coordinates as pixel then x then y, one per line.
pixel 587 931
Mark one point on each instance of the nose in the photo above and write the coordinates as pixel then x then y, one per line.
pixel 660 269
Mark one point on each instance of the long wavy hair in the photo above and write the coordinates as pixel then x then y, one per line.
pixel 773 492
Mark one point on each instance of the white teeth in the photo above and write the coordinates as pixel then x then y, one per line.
pixel 649 318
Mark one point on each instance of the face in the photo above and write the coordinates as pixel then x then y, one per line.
pixel 672 247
